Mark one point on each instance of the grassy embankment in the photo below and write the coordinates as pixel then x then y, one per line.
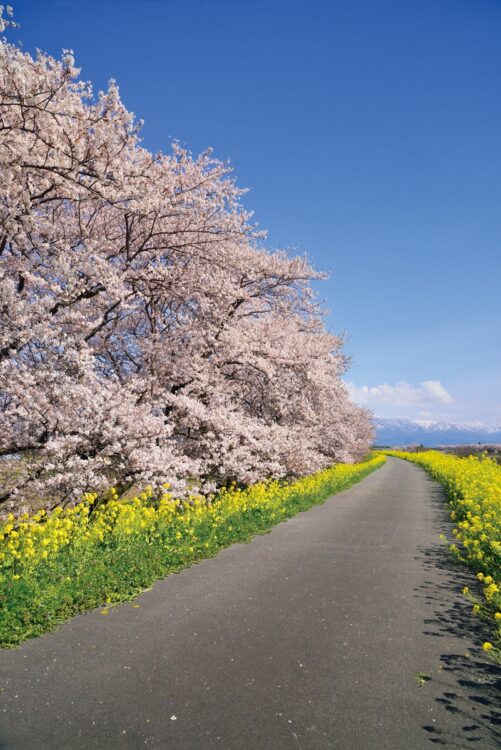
pixel 53 566
pixel 473 487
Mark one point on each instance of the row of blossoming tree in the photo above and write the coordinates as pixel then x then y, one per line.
pixel 145 333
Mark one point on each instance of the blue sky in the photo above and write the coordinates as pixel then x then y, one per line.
pixel 370 136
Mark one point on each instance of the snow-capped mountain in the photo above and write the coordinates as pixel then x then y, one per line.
pixel 411 432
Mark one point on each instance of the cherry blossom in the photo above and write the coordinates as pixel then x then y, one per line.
pixel 146 333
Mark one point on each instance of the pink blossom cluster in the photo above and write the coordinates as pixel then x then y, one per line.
pixel 146 335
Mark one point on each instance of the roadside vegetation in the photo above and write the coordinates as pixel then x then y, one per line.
pixel 480 451
pixel 55 565
pixel 473 486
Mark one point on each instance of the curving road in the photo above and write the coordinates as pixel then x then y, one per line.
pixel 310 637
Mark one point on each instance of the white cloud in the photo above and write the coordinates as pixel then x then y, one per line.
pixel 424 394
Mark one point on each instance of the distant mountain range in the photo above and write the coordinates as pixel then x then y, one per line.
pixel 410 432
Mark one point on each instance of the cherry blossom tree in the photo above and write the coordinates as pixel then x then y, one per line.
pixel 146 334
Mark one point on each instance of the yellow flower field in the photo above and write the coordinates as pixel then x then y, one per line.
pixel 71 560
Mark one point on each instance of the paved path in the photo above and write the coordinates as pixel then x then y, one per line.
pixel 310 637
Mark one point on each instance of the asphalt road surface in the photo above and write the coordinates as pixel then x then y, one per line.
pixel 344 628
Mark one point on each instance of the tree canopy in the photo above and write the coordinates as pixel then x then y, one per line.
pixel 146 334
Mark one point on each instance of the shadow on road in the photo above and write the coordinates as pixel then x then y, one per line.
pixel 471 683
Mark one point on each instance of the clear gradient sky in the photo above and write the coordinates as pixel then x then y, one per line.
pixel 370 136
